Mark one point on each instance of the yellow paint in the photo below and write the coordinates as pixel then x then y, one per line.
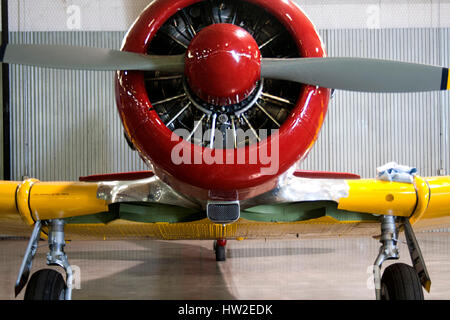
pixel 428 198
pixel 58 200
pixel 430 205
pixel 8 197
pixel 439 206
pixel 22 200
pixel 206 230
pixel 379 197
pixel 423 199
pixel 428 286
pixel 448 81
pixel 326 220
pixel 34 200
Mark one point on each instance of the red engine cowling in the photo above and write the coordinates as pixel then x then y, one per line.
pixel 167 27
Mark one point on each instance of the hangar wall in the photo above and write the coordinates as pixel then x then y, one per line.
pixel 65 124
pixel 364 131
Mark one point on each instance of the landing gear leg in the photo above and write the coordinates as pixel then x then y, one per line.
pixel 57 256
pixel 46 284
pixel 27 261
pixel 416 255
pixel 220 249
pixel 399 281
pixel 388 250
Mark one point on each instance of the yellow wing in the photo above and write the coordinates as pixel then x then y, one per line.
pixel 426 203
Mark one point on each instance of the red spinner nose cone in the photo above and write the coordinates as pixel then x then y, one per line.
pixel 223 64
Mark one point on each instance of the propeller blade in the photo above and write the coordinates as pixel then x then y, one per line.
pixel 356 74
pixel 86 58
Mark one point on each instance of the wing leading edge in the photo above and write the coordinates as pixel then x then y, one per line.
pixel 300 206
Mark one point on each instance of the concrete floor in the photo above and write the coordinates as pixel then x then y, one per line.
pixel 273 269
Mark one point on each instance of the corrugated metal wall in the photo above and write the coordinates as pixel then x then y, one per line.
pixel 364 131
pixel 65 124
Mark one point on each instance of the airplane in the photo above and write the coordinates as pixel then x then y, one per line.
pixel 222 100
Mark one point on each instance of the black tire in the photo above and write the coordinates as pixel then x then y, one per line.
pixel 220 253
pixel 45 284
pixel 401 282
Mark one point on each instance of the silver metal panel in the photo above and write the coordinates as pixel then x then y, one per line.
pixel 152 190
pixel 64 123
pixel 292 189
pixel 364 131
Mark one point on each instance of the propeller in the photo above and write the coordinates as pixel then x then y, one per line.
pixel 353 74
pixel 86 58
pixel 358 74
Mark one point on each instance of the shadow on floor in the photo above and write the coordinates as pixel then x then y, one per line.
pixel 161 270
pixel 275 252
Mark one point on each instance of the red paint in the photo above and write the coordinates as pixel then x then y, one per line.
pixel 325 175
pixel 228 54
pixel 153 139
pixel 125 176
pixel 221 243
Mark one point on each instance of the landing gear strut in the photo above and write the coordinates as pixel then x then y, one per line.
pixel 399 281
pixel 46 284
pixel 220 250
